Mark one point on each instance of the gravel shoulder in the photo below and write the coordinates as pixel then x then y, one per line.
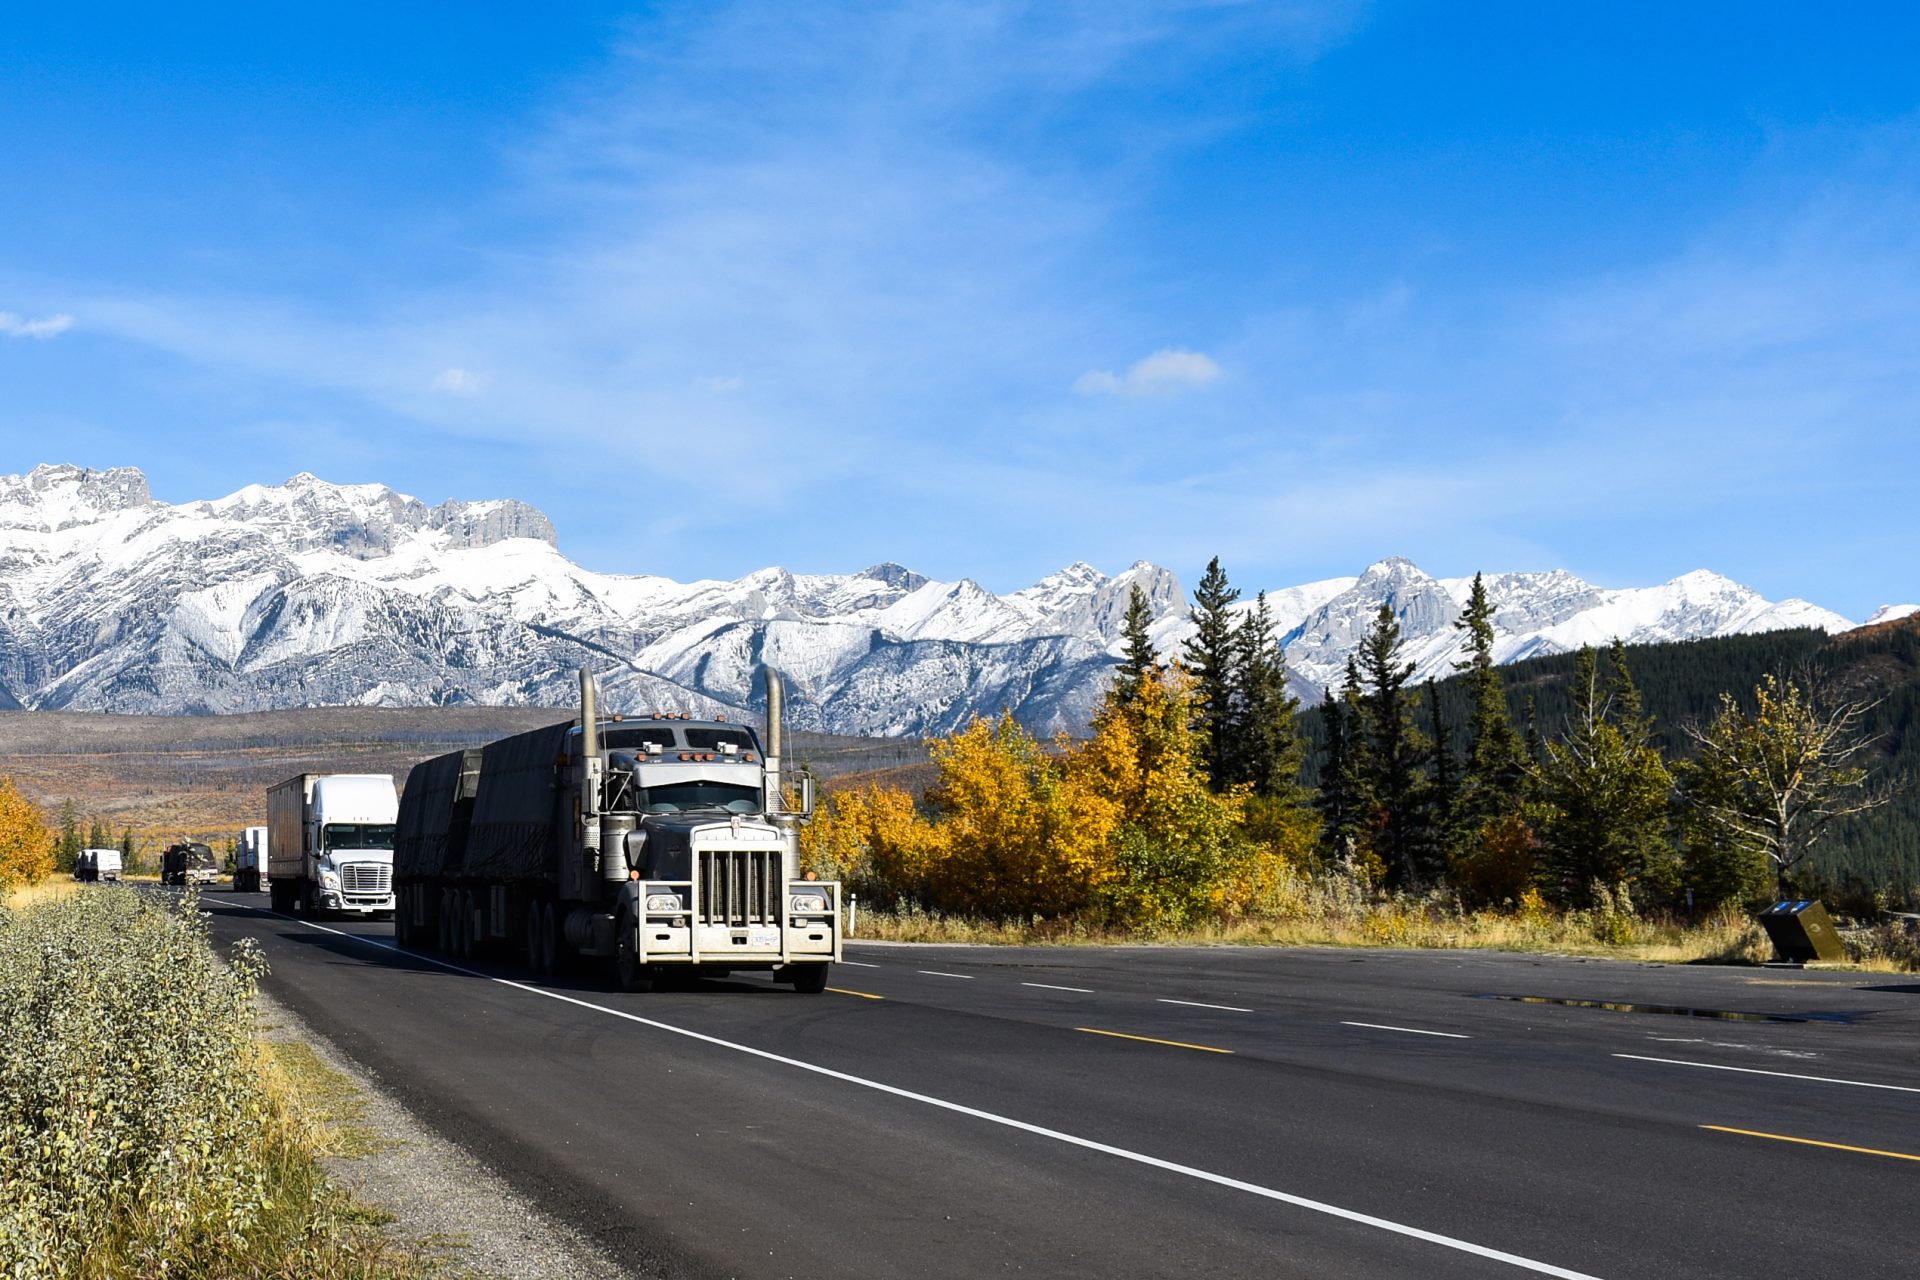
pixel 440 1196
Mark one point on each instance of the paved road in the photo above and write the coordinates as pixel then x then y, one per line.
pixel 1158 1111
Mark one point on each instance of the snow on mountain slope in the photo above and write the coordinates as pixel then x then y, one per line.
pixel 313 593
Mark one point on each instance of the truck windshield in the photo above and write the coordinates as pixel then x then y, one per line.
pixel 358 835
pixel 679 796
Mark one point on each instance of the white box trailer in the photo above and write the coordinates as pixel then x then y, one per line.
pixel 330 842
pixel 250 861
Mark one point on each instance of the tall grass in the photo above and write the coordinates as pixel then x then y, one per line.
pixel 136 1135
pixel 1336 909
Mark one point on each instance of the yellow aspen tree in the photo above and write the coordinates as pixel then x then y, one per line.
pixel 26 842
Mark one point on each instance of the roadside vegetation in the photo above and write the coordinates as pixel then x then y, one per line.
pixel 143 1130
pixel 1197 812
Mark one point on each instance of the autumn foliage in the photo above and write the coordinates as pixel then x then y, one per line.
pixel 1122 829
pixel 26 842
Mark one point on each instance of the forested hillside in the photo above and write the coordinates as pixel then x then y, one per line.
pixel 1681 685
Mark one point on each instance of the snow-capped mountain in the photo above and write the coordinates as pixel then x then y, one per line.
pixel 311 593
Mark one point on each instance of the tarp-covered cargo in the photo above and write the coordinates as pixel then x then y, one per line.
pixel 435 810
pixel 518 813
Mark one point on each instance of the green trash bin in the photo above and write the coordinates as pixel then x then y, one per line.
pixel 1801 930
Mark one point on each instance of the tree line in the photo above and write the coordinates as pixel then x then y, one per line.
pixel 1198 789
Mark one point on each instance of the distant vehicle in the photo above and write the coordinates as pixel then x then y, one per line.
pixel 663 845
pixel 250 861
pixel 97 864
pixel 330 842
pixel 188 862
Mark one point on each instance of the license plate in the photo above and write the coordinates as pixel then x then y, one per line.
pixel 763 938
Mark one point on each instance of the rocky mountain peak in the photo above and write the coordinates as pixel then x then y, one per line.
pixel 57 496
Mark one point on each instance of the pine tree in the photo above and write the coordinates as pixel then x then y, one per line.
pixel 1399 755
pixel 67 846
pixel 1263 730
pixel 1446 776
pixel 1605 791
pixel 1491 786
pixel 1139 658
pixel 97 835
pixel 1209 658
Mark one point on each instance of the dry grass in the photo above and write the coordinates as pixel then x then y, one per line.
pixel 20 897
pixel 1729 939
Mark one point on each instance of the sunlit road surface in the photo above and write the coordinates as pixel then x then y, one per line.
pixel 1123 1112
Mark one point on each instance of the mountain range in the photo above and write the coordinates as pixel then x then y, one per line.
pixel 310 593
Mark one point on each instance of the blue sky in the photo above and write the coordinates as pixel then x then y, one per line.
pixel 987 289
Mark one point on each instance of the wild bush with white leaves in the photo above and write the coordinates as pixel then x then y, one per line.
pixel 127 1120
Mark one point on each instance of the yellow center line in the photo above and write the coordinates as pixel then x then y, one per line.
pixel 864 995
pixel 1178 1044
pixel 1810 1142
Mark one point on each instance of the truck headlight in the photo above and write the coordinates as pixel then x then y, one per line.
pixel 808 904
pixel 330 880
pixel 663 902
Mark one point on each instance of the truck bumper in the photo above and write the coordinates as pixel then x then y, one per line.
pixel 334 900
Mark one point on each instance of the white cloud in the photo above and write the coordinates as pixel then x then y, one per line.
pixel 16 326
pixel 1165 372
pixel 457 382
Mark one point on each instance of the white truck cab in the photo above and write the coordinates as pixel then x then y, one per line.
pixel 330 842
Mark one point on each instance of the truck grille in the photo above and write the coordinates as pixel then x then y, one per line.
pixel 740 887
pixel 366 879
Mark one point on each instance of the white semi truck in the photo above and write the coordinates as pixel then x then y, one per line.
pixel 330 843
pixel 250 861
pixel 662 844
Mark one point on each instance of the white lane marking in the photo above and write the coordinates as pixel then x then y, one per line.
pixel 1412 1031
pixel 1756 1071
pixel 859 965
pixel 935 973
pixel 1195 1004
pixel 1072 1140
pixel 1048 986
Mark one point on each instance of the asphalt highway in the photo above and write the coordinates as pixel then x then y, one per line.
pixel 1146 1111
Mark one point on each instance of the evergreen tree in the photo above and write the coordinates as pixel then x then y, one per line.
pixel 97 835
pixel 1332 799
pixel 1139 658
pixel 1605 792
pixel 1535 748
pixel 1446 776
pixel 1491 786
pixel 67 846
pixel 1264 735
pixel 1209 658
pixel 1398 755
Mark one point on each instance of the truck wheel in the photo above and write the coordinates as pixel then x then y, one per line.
pixel 533 947
pixel 810 979
pixel 627 969
pixel 403 918
pixel 551 959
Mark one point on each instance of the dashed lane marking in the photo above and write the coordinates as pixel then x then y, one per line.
pixel 1178 1044
pixel 864 995
pixel 989 1117
pixel 1195 1004
pixel 1412 1031
pixel 935 973
pixel 1756 1071
pixel 860 964
pixel 1811 1142
pixel 1048 986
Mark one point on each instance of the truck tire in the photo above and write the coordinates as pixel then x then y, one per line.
pixel 278 899
pixel 402 919
pixel 532 947
pixel 443 923
pixel 627 969
pixel 550 955
pixel 810 979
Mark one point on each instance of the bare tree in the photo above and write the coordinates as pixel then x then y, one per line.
pixel 1791 769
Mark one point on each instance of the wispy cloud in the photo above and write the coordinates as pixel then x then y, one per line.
pixel 457 382
pixel 1165 372
pixel 17 326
